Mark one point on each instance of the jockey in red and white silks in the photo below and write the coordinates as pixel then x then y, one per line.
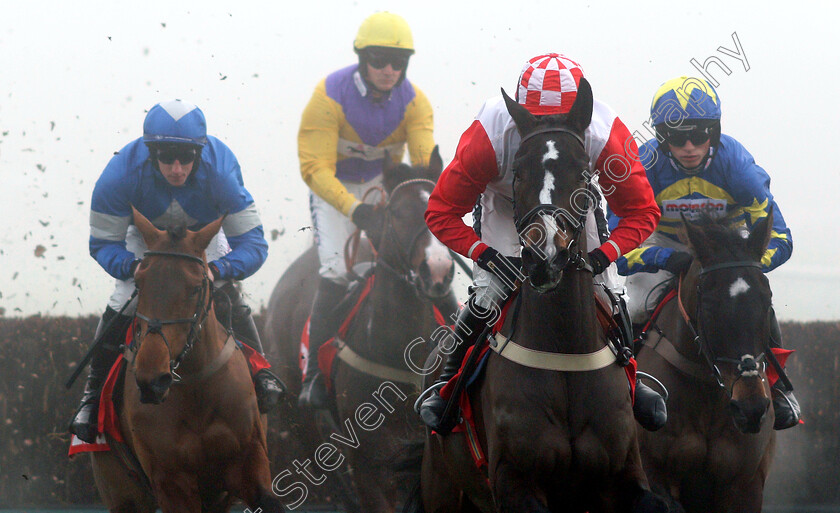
pixel 481 173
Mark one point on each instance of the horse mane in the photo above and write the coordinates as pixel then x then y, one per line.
pixel 177 232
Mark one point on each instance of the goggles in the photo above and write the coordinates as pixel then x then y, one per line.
pixel 183 154
pixel 380 60
pixel 679 138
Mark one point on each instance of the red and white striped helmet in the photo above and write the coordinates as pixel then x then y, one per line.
pixel 548 84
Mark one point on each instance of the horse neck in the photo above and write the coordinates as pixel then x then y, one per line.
pixel 563 320
pixel 208 345
pixel 397 314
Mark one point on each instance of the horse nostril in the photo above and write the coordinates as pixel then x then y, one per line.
pixel 425 271
pixel 561 259
pixel 161 383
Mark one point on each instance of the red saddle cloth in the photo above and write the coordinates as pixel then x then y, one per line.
pixel 108 418
pixel 328 351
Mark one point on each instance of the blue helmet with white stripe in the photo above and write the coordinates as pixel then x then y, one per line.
pixel 175 122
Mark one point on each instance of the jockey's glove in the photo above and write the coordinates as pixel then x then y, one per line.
pixel 501 266
pixel 598 260
pixel 365 217
pixel 678 262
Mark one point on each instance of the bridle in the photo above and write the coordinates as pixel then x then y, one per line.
pixel 196 322
pixel 747 365
pixel 405 271
pixel 575 258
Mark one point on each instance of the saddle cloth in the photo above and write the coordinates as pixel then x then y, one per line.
pixel 108 416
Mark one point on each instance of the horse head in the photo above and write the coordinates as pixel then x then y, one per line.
pixel 174 300
pixel 406 246
pixel 551 192
pixel 732 305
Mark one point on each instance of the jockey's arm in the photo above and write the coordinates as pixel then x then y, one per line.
pixel 242 225
pixel 751 189
pixel 318 150
pixel 624 182
pixel 419 127
pixel 457 190
pixel 110 216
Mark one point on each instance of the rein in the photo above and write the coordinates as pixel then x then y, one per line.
pixel 196 322
pixel 746 365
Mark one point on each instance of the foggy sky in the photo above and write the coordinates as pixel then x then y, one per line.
pixel 78 78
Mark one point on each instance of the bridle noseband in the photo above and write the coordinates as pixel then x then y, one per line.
pixel 746 365
pixel 407 274
pixel 196 322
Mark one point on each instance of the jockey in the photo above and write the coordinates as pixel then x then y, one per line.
pixel 357 117
pixel 174 174
pixel 481 175
pixel 692 167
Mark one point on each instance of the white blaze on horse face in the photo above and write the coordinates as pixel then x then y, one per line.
pixel 439 260
pixel 548 181
pixel 551 230
pixel 739 286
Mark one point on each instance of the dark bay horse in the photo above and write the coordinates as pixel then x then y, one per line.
pixel 709 348
pixel 559 433
pixel 375 388
pixel 188 408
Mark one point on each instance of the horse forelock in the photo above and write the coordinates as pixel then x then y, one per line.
pixel 724 242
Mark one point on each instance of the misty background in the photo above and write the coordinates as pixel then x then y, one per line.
pixel 77 79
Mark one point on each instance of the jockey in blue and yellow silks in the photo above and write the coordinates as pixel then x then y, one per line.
pixel 357 117
pixel 693 168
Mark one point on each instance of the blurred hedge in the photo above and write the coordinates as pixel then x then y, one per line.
pixel 37 354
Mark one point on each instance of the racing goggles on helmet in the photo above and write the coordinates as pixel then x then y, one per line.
pixel 184 154
pixel 379 59
pixel 679 138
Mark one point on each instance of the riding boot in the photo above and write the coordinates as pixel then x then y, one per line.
pixel 785 404
pixel 468 327
pixel 85 420
pixel 235 315
pixel 649 407
pixel 322 326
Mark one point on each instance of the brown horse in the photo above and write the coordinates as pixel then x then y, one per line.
pixel 558 431
pixel 708 349
pixel 188 408
pixel 374 386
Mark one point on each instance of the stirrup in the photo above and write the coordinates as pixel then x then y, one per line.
pixel 426 393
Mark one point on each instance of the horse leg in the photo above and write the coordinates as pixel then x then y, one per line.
pixel 516 493
pixel 630 489
pixel 252 480
pixel 176 492
pixel 439 494
pixel 120 492
pixel 375 488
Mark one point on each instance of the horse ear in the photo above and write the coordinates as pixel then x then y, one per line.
pixel 525 121
pixel 696 238
pixel 581 113
pixel 760 235
pixel 201 238
pixel 151 235
pixel 435 164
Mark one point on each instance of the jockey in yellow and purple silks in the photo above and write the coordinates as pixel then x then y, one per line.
pixel 693 168
pixel 357 116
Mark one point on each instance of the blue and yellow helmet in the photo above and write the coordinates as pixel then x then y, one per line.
pixel 685 98
pixel 175 122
